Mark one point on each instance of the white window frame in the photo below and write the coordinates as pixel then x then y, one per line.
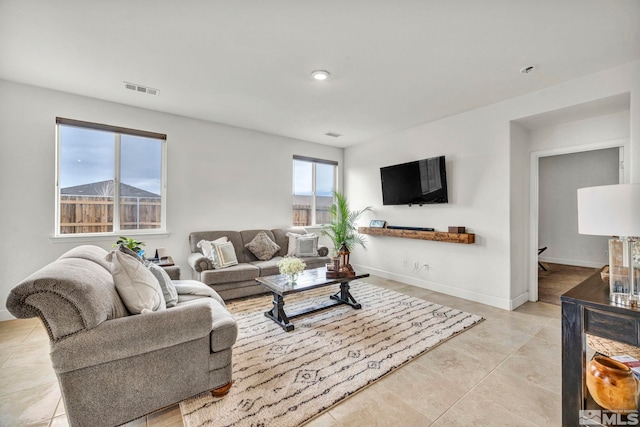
pixel 118 132
pixel 314 162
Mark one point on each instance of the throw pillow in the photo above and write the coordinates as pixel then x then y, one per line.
pixel 262 246
pixel 307 245
pixel 128 251
pixel 207 248
pixel 136 285
pixel 291 251
pixel 168 289
pixel 293 244
pixel 225 255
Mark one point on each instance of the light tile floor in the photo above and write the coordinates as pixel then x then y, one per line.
pixel 503 372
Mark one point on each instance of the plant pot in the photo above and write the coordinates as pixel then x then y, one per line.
pixel 612 384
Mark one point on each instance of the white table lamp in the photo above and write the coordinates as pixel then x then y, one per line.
pixel 614 210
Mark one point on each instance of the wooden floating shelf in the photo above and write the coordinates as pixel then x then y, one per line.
pixel 437 236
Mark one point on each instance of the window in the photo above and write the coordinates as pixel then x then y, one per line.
pixel 314 182
pixel 109 179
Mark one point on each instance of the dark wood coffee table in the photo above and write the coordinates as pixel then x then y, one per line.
pixel 308 279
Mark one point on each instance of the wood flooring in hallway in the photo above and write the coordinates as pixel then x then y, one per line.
pixel 558 279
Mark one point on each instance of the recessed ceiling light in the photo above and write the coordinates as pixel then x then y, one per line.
pixel 320 75
pixel 528 69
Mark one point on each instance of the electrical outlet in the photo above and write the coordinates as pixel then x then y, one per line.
pixel 415 265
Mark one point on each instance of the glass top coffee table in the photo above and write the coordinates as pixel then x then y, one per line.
pixel 280 286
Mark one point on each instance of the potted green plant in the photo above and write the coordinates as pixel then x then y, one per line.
pixel 342 227
pixel 128 242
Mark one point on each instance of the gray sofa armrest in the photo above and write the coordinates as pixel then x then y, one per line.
pixel 199 262
pixel 323 251
pixel 139 334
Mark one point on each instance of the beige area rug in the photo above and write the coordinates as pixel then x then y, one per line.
pixel 286 378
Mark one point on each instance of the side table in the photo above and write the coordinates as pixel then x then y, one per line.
pixel 586 310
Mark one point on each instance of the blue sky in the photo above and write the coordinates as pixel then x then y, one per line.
pixel 303 179
pixel 87 156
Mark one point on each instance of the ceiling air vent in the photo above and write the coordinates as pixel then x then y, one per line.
pixel 139 88
pixel 333 134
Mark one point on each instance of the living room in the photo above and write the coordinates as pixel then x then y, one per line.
pixel 235 177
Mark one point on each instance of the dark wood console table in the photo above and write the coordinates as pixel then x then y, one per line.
pixel 586 309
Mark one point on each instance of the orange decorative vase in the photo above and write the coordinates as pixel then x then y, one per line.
pixel 612 384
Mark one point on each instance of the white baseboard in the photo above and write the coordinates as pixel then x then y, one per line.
pixel 574 262
pixel 502 303
pixel 5 315
pixel 519 300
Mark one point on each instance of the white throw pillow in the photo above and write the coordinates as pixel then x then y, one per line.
pixel 307 245
pixel 291 250
pixel 207 248
pixel 136 285
pixel 225 255
pixel 293 243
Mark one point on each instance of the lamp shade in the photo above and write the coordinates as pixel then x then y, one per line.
pixel 609 210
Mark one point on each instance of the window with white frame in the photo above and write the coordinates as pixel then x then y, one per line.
pixel 314 181
pixel 110 180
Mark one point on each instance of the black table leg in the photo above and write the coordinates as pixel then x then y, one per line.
pixel 277 313
pixel 345 297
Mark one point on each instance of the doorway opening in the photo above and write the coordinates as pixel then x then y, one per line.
pixel 556 175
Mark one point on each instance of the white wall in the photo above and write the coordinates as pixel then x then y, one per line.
pixel 560 178
pixel 519 209
pixel 219 177
pixel 481 165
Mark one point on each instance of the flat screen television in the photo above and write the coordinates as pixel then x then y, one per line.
pixel 415 183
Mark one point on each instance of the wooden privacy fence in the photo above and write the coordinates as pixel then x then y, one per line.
pixel 302 215
pixel 94 214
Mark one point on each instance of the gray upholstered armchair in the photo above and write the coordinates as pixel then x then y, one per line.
pixel 112 366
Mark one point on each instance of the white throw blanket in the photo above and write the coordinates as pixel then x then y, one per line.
pixel 192 289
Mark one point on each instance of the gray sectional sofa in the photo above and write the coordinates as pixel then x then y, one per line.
pixel 238 281
pixel 114 366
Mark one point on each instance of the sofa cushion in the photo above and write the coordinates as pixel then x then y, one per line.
pixel 168 289
pixel 268 268
pixel 135 284
pixel 316 261
pixel 262 246
pixel 236 273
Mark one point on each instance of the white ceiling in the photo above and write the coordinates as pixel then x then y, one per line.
pixel 393 64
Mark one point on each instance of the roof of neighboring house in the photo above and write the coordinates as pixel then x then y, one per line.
pixel 105 188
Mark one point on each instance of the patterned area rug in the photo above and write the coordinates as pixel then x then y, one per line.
pixel 286 378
